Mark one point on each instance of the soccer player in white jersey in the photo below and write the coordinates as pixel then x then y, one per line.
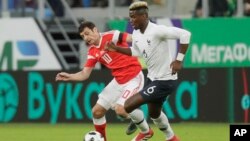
pixel 151 42
pixel 128 77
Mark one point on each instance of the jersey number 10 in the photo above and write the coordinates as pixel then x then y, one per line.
pixel 106 58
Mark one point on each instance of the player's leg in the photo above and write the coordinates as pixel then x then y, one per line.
pixel 131 128
pixel 162 89
pixel 160 120
pixel 131 106
pixel 99 119
pixel 135 100
pixel 129 89
pixel 120 111
pixel 105 101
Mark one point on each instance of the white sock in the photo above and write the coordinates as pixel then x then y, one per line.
pixel 137 117
pixel 162 123
pixel 99 121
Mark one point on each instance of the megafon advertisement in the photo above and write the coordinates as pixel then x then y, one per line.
pixel 23 46
pixel 215 42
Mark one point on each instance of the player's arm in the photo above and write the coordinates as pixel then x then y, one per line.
pixel 112 47
pixel 79 76
pixel 184 37
pixel 119 40
pixel 176 33
pixel 176 65
pixel 121 37
pixel 124 37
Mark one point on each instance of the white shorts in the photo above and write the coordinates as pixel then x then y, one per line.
pixel 115 93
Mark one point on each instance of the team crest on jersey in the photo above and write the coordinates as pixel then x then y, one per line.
pixel 149 42
pixel 100 54
pixel 145 54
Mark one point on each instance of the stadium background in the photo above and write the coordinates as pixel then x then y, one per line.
pixel 34 46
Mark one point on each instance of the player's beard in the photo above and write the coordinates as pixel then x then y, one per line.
pixel 134 26
pixel 92 42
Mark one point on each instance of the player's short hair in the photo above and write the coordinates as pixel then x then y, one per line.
pixel 140 7
pixel 85 24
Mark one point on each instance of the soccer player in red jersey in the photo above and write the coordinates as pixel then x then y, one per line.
pixel 128 77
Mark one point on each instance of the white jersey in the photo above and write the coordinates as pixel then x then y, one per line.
pixel 152 45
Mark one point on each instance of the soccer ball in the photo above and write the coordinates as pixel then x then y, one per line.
pixel 93 136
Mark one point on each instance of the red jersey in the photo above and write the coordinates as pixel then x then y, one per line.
pixel 123 67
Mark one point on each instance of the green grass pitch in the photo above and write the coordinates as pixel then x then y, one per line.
pixel 115 132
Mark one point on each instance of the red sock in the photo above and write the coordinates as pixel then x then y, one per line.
pixel 101 129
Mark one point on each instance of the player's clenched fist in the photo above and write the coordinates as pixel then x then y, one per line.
pixel 63 76
pixel 176 66
pixel 110 46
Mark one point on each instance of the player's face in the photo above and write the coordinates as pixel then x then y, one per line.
pixel 136 20
pixel 91 37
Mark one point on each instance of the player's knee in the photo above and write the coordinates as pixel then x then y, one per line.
pixel 97 113
pixel 154 114
pixel 127 107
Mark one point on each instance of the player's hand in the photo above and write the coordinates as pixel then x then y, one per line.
pixel 63 76
pixel 110 46
pixel 176 66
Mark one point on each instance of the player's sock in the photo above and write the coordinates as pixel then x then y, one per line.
pixel 162 123
pixel 100 126
pixel 137 117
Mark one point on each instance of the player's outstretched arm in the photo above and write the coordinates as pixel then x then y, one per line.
pixel 79 76
pixel 112 47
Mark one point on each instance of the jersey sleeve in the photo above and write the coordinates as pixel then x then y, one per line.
pixel 119 38
pixel 91 60
pixel 115 36
pixel 174 33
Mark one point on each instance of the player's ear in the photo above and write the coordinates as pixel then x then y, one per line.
pixel 95 29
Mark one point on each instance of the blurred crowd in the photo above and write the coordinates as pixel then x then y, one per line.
pixel 217 8
pixel 58 8
pixel 221 8
pixel 104 3
pixel 247 7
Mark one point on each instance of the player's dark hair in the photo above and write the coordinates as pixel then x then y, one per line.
pixel 140 11
pixel 85 24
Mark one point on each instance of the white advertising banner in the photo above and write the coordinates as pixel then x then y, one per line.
pixel 23 46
